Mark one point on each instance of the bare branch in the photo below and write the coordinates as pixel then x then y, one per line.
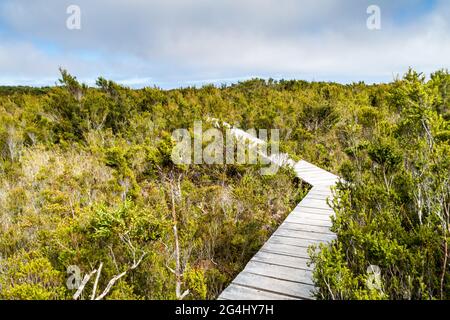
pixel 184 295
pixel 83 284
pixel 117 277
pixel 113 258
pixel 94 289
pixel 178 269
pixel 110 284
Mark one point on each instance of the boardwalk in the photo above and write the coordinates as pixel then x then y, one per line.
pixel 280 270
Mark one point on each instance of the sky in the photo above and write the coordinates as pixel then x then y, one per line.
pixel 179 43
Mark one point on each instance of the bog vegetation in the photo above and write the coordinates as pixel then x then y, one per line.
pixel 87 181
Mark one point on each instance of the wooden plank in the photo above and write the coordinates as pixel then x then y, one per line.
pixel 325 199
pixel 276 286
pixel 325 187
pixel 304 234
pixel 323 180
pixel 303 217
pixel 237 292
pixel 321 197
pixel 317 175
pixel 304 164
pixel 315 216
pixel 315 207
pixel 311 222
pixel 321 190
pixel 307 210
pixel 315 203
pixel 295 241
pixel 326 184
pixel 305 227
pixel 316 171
pixel 291 250
pixel 284 273
pixel 282 260
pixel 303 212
pixel 306 171
pixel 300 210
pixel 312 174
pixel 325 209
pixel 314 210
pixel 318 194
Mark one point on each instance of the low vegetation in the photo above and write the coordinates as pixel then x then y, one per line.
pixel 87 184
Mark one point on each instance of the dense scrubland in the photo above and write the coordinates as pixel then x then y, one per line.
pixel 87 181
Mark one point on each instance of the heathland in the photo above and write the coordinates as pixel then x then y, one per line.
pixel 87 183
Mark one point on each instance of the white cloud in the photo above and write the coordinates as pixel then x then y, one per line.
pixel 184 41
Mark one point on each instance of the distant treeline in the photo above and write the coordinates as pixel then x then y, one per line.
pixel 10 90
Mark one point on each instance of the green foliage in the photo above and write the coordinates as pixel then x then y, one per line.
pixel 393 210
pixel 86 177
pixel 196 282
pixel 29 276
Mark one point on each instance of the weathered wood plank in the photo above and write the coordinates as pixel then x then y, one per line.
pixel 295 251
pixel 236 292
pixel 282 260
pixel 273 285
pixel 295 241
pixel 315 203
pixel 305 220
pixel 312 207
pixel 317 175
pixel 318 197
pixel 321 191
pixel 304 234
pixel 284 273
pixel 322 195
pixel 304 227
pixel 305 209
pixel 316 216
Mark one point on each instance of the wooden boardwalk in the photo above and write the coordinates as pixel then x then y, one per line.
pixel 280 270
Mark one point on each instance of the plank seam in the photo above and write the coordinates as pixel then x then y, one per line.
pixel 276 278
pixel 271 291
pixel 279 265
